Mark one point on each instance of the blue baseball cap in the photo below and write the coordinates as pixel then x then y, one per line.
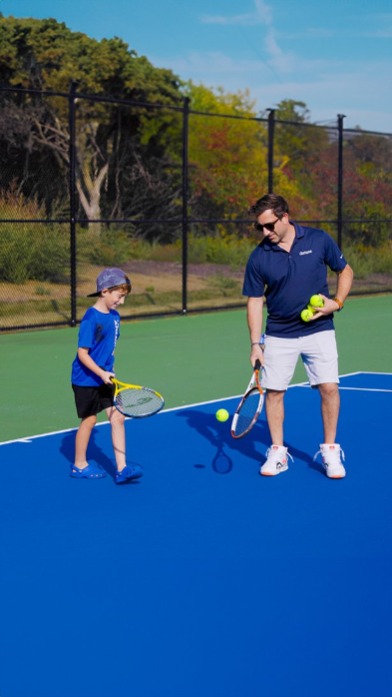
pixel 109 278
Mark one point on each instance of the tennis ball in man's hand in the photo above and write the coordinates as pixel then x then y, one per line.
pixel 222 415
pixel 306 314
pixel 316 301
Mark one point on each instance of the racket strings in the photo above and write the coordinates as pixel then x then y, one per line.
pixel 247 412
pixel 137 402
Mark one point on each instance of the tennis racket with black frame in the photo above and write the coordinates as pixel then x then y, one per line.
pixel 136 401
pixel 250 406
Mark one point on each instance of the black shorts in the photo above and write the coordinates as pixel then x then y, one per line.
pixel 91 400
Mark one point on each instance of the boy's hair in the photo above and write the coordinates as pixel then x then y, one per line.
pixel 124 287
pixel 272 202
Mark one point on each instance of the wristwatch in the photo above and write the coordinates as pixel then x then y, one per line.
pixel 339 302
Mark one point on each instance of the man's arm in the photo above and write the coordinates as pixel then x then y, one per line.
pixel 343 286
pixel 255 323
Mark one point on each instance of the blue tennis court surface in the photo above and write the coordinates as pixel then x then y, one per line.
pixel 203 579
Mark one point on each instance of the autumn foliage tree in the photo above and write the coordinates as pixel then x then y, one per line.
pixel 129 129
pixel 227 151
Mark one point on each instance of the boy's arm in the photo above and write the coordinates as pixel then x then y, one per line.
pixel 88 362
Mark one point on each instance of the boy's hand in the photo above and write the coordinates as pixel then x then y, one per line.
pixel 106 377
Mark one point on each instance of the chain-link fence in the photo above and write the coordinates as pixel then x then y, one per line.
pixel 164 191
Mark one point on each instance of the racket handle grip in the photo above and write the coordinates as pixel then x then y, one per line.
pixel 257 365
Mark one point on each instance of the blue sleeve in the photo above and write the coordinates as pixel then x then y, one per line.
pixel 333 255
pixel 254 283
pixel 86 334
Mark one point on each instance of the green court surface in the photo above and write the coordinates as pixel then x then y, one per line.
pixel 189 359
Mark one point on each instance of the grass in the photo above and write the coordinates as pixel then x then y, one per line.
pixel 158 289
pixel 30 303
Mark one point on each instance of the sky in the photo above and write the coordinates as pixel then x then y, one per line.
pixel 336 55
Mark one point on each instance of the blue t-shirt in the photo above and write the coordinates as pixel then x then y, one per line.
pixel 98 332
pixel 289 279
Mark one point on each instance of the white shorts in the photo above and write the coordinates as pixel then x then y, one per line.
pixel 318 353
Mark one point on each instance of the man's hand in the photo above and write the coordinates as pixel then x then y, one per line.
pixel 329 306
pixel 256 353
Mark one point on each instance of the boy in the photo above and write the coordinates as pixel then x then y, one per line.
pixel 92 370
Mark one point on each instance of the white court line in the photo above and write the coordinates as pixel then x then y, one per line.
pixel 358 389
pixel 29 439
pixel 352 389
pixel 367 372
pixel 365 389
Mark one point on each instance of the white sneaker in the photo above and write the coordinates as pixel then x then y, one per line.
pixel 331 460
pixel 276 462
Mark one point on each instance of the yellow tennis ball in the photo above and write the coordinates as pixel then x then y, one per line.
pixel 316 301
pixel 222 415
pixel 306 314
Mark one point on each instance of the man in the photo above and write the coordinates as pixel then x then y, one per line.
pixel 285 270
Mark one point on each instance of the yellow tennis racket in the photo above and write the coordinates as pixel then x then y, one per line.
pixel 136 401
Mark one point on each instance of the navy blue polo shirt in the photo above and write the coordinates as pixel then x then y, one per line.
pixel 289 279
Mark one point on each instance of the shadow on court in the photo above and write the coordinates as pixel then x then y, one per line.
pixel 96 453
pixel 253 446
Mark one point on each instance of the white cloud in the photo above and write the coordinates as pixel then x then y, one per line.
pixel 334 86
pixel 263 12
pixel 212 64
pixel 239 20
pixel 261 15
pixel 278 60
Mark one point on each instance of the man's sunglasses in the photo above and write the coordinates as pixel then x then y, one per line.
pixel 268 226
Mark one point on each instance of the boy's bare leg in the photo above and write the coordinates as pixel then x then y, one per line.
pixel 118 436
pixel 82 440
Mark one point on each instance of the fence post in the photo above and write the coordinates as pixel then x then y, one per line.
pixel 340 179
pixel 72 200
pixel 185 221
pixel 271 135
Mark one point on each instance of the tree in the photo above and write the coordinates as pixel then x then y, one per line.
pixel 46 55
pixel 368 187
pixel 227 151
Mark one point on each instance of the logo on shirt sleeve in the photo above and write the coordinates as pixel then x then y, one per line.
pixel 116 333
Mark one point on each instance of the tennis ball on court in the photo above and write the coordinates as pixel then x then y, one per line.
pixel 222 415
pixel 306 314
pixel 316 301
